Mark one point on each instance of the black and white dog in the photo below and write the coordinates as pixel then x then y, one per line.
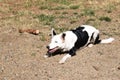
pixel 72 40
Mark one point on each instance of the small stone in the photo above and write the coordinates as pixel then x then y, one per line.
pixel 118 68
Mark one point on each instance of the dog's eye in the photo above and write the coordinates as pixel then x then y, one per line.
pixel 56 42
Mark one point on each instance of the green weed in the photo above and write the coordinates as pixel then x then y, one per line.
pixel 46 19
pixel 75 13
pixel 100 53
pixel 57 12
pixel 33 54
pixel 73 21
pixel 61 29
pixel 74 7
pixel 89 20
pixel 105 18
pixel 62 16
pixel 59 8
pixel 43 7
pixel 110 8
pixel 64 12
pixel 28 3
pixel 42 37
pixel 43 17
pixel 65 2
pixel 88 12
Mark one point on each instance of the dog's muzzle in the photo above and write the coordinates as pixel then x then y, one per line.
pixel 53 50
pixel 47 47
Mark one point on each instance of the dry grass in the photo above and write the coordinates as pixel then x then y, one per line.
pixel 22 54
pixel 30 13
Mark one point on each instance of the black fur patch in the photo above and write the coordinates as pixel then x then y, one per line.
pixel 82 37
pixel 91 37
pixel 97 41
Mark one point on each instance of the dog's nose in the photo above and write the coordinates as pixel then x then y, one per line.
pixel 47 47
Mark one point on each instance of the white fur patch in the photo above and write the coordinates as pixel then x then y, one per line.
pixel 90 45
pixel 56 41
pixel 109 40
pixel 89 29
pixel 68 43
pixel 45 56
pixel 64 58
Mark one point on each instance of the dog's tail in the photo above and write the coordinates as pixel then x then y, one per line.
pixel 109 40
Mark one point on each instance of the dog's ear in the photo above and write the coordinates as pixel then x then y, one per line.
pixel 63 36
pixel 53 33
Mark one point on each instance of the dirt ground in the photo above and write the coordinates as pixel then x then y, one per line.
pixel 22 54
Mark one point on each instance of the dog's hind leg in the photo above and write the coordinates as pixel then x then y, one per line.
pixel 94 38
pixel 90 45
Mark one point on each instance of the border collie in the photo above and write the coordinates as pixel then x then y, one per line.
pixel 75 39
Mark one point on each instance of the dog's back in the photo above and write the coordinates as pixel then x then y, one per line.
pixel 82 37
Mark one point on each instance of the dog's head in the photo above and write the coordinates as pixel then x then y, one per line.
pixel 57 42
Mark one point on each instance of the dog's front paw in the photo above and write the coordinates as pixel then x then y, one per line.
pixel 46 56
pixel 61 61
pixel 64 58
